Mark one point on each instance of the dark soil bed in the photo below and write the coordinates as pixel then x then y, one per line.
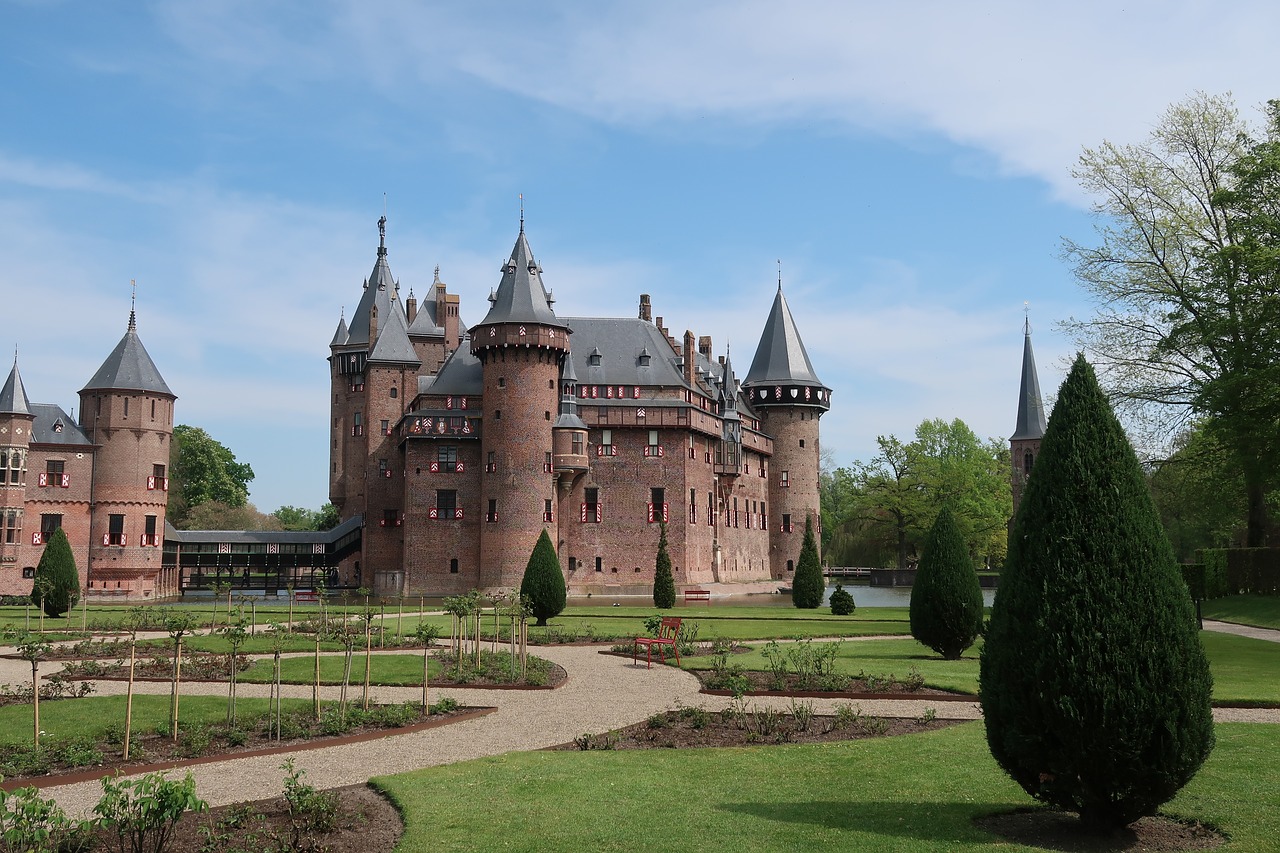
pixel 365 822
pixel 765 684
pixel 695 728
pixel 1050 829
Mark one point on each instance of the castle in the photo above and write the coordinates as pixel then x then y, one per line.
pixel 102 480
pixel 458 447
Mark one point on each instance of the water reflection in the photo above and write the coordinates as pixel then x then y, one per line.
pixel 863 596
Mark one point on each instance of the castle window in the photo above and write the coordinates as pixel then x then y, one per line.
pixel 573 564
pixel 502 382
pixel 497 414
pixel 693 506
pixel 453 566
pixel 446 507
pixel 49 522
pixel 55 474
pixel 153 410
pixel 546 415
pixel 383 470
pixel 594 361
pixel 653 448
pixel 802 442
pixel 579 441
pixel 385 427
pixel 390 518
pixel 711 510
pixel 491 462
pixel 546 510
pixel 657 509
pixel 546 463
pixel 12 527
pixel 158 480
pixel 786 522
pixel 394 393
pixel 492 515
pixel 150 537
pixel 786 479
pixel 126 407
pixel 115 530
pixel 791 566
pixel 357 424
pixel 591 506
pixel 735 512
pixel 1028 459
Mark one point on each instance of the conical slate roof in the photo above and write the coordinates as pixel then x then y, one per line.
pixel 380 292
pixel 393 339
pixel 1031 420
pixel 341 335
pixel 521 297
pixel 424 323
pixel 781 356
pixel 13 397
pixel 129 368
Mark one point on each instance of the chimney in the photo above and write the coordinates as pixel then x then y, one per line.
pixel 690 363
pixel 704 346
pixel 646 309
pixel 373 325
pixel 410 308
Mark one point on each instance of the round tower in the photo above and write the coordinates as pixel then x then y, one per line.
pixel 521 344
pixel 786 394
pixel 126 409
pixel 15 440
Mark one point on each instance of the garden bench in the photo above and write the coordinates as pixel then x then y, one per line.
pixel 306 596
pixel 667 633
pixel 697 595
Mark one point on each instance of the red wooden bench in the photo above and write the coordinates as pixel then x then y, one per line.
pixel 667 632
pixel 697 595
pixel 306 596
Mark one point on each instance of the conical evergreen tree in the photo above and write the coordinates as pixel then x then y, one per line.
pixel 1094 685
pixel 664 583
pixel 56 587
pixel 543 582
pixel 807 585
pixel 946 600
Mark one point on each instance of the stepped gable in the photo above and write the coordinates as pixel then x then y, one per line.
pixel 129 367
pixel 13 397
pixel 1031 420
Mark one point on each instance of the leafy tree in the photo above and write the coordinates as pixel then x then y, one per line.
pixel 1094 686
pixel 946 601
pixel 543 582
pixel 1184 276
pixel 807 586
pixel 664 583
pixel 56 587
pixel 841 602
pixel 327 517
pixel 215 515
pixel 202 469
pixel 300 518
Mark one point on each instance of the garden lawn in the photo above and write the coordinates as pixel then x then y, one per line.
pixel 94 715
pixel 388 670
pixel 908 794
pixel 1261 611
pixel 1244 670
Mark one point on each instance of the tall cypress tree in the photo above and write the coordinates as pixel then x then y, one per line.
pixel 664 583
pixel 807 585
pixel 946 600
pixel 56 587
pixel 543 582
pixel 1094 685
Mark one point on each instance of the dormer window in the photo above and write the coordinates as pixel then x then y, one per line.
pixel 644 357
pixel 594 358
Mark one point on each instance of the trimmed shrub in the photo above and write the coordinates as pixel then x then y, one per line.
pixel 841 602
pixel 664 583
pixel 56 587
pixel 807 586
pixel 543 582
pixel 1193 576
pixel 946 601
pixel 1094 686
pixel 1215 572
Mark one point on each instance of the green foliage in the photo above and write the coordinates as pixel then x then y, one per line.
pixel 946 600
pixel 1094 686
pixel 202 469
pixel 1215 572
pixel 31 824
pixel 311 812
pixel 300 518
pixel 1193 577
pixel 664 583
pixel 841 602
pixel 143 811
pixel 1200 464
pixel 807 585
pixel 56 588
pixel 543 582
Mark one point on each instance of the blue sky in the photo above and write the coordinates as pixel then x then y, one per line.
pixel 910 164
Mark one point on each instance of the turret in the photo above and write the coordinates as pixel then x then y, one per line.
pixel 15 439
pixel 783 389
pixel 570 433
pixel 521 345
pixel 1024 444
pixel 126 409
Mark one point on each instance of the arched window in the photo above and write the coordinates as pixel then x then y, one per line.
pixel 1028 459
pixel 394 393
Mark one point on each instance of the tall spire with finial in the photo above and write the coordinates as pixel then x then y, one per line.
pixel 133 306
pixel 1031 419
pixel 382 236
pixel 521 213
pixel 779 275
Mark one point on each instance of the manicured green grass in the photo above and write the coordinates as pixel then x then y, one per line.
pixel 1244 670
pixel 1261 611
pixel 391 670
pixel 913 794
pixel 93 715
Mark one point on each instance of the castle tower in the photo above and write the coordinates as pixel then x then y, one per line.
pixel 373 377
pixel 783 389
pixel 1024 444
pixel 15 439
pixel 126 409
pixel 521 344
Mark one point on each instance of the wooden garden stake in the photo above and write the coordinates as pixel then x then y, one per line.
pixel 128 698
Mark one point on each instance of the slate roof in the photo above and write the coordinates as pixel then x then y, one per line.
pixel 620 343
pixel 780 356
pixel 521 296
pixel 284 537
pixel 129 368
pixel 424 322
pixel 393 339
pixel 340 336
pixel 380 291
pixel 568 414
pixel 54 426
pixel 13 397
pixel 1031 420
pixel 461 375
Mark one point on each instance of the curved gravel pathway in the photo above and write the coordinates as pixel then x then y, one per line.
pixel 603 692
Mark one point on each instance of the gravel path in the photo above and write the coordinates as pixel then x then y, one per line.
pixel 603 692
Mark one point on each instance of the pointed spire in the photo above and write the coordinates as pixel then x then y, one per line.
pixel 133 306
pixel 568 414
pixel 521 297
pixel 382 236
pixel 129 367
pixel 781 356
pixel 1031 419
pixel 13 397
